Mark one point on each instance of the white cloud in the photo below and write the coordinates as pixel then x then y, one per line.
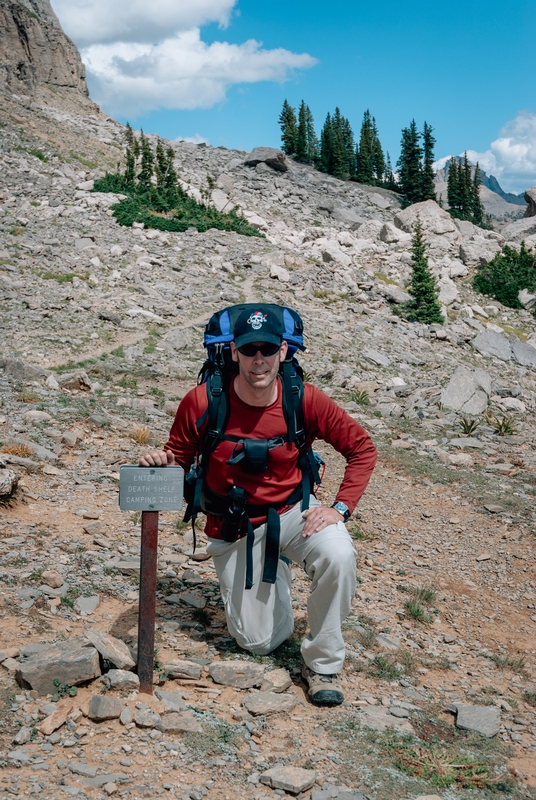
pixel 512 157
pixel 90 22
pixel 145 56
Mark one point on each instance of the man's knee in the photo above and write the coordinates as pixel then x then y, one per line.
pixel 335 552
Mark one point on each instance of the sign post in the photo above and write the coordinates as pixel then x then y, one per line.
pixel 149 490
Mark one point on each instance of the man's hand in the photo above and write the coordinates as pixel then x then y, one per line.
pixel 158 458
pixel 318 518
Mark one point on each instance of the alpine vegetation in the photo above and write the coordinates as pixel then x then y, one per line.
pixel 154 194
pixel 424 306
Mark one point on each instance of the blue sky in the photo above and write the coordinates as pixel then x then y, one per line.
pixel 467 68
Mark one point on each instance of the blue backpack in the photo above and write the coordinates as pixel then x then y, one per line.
pixel 252 454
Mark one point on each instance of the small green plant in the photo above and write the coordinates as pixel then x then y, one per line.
pixel 150 347
pixel 508 663
pixel 63 690
pixel 424 594
pixel 384 667
pixel 502 424
pixel 468 425
pixel 119 352
pixel 530 698
pixel 416 610
pixel 157 392
pixel 202 616
pixel 27 396
pixel 361 398
pixel 366 636
pixel 38 154
pixel 128 383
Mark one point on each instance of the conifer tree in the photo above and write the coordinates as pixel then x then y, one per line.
pixel 147 165
pixel 409 164
pixel 423 306
pixel 389 177
pixel 302 150
pixel 289 129
pixel 364 154
pixel 131 155
pixel 378 159
pixel 428 186
pixel 326 145
pixel 312 139
pixel 161 167
pixel 477 211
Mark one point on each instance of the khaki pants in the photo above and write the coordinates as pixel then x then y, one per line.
pixel 261 618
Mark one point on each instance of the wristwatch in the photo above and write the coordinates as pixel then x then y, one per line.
pixel 342 509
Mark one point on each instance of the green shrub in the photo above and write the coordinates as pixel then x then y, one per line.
pixel 506 274
pixel 155 196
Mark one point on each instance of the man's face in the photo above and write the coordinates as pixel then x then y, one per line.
pixel 259 371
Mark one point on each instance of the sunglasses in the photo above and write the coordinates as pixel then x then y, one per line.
pixel 265 350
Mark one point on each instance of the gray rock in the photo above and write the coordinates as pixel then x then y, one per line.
pixel 87 605
pixel 519 230
pixel 482 719
pixel 21 371
pixel 189 598
pixel 146 719
pixel 71 662
pixel 52 578
pixel 19 755
pixel 183 669
pixel 338 792
pixel 276 680
pixel 83 243
pixel 376 358
pixel 9 481
pixel 467 391
pixel 395 295
pixel 290 779
pixel 23 736
pixel 523 352
pixel 177 339
pixel 478 253
pixel 269 703
pixel 75 380
pixel 79 768
pixel 379 719
pixel 107 778
pixel 102 707
pixel 347 215
pixel 112 649
pixel 122 680
pixel 126 716
pixel 172 701
pixel 491 343
pixel 240 674
pixel 386 642
pixel 530 197
pixel 179 722
pixel 400 713
pixel 275 159
pixel 110 316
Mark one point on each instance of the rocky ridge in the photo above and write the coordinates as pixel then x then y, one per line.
pixel 101 335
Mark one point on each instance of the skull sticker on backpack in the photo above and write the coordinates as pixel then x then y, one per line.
pixel 257 319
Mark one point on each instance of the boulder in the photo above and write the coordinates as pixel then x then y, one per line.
pixel 240 674
pixel 9 480
pixel 75 381
pixel 491 343
pixel 392 235
pixel 290 779
pixel 476 253
pixel 21 372
pixel 526 299
pixel 274 158
pixel 519 230
pixel 102 708
pixel 113 650
pixel 523 352
pixel 347 215
pixel 371 229
pixel 177 339
pixel 395 295
pixel 269 703
pixel 482 719
pixel 448 291
pixel 467 391
pixel 530 197
pixel 71 662
pixel 122 680
pixel 434 219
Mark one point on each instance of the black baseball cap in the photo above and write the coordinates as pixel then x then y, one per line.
pixel 259 325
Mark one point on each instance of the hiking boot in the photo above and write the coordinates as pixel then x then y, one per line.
pixel 324 690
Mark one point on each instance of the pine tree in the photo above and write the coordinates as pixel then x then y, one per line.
pixel 147 165
pixel 326 146
pixel 389 177
pixel 364 154
pixel 131 154
pixel 428 186
pixel 312 139
pixel 409 165
pixel 378 159
pixel 289 129
pixel 301 136
pixel 161 167
pixel 477 209
pixel 423 306
pixel 453 189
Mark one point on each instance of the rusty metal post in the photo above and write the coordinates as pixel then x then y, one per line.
pixel 147 608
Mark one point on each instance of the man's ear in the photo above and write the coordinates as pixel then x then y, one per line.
pixel 234 352
pixel 283 351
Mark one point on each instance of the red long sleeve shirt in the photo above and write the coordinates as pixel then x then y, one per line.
pixel 324 419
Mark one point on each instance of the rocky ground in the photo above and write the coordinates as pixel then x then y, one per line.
pixel 101 335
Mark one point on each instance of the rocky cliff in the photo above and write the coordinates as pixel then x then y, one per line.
pixel 35 51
